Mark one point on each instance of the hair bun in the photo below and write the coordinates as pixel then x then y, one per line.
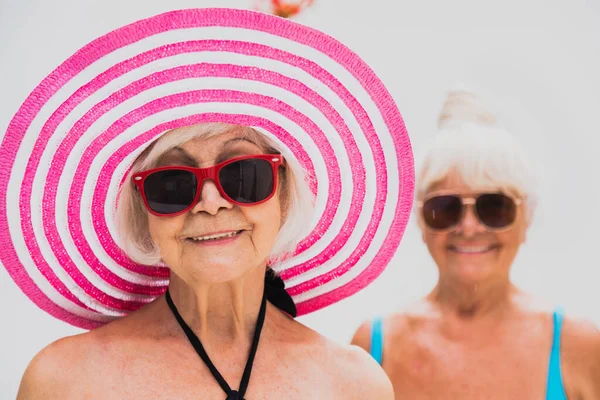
pixel 463 106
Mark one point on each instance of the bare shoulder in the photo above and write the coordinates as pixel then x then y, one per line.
pixel 580 338
pixel 580 352
pixel 349 370
pixel 579 349
pixel 362 336
pixel 51 373
pixel 70 366
pixel 360 375
pixel 397 325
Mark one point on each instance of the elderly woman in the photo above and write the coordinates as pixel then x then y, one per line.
pixel 211 135
pixel 210 201
pixel 476 335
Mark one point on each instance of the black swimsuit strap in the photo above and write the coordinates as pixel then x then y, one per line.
pixel 195 341
pixel 277 295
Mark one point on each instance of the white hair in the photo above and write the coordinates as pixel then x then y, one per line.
pixel 484 156
pixel 297 200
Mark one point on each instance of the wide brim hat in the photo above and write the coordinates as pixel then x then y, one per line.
pixel 69 147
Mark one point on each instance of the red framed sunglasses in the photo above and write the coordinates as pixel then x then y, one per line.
pixel 247 180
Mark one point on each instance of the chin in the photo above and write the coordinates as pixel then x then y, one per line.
pixel 471 273
pixel 220 270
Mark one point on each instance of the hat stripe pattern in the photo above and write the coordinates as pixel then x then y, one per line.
pixel 70 146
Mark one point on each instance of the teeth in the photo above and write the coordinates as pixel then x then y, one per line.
pixel 472 249
pixel 214 237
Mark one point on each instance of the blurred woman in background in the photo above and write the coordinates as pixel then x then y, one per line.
pixel 476 335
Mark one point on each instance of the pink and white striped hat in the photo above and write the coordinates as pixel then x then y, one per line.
pixel 67 149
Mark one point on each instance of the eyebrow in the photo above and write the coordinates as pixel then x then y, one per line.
pixel 237 140
pixel 180 155
pixel 227 152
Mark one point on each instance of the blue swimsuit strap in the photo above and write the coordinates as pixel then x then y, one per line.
pixel 377 339
pixel 555 389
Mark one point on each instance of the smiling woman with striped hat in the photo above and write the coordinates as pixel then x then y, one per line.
pixel 185 186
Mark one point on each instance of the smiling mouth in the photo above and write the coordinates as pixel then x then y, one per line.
pixel 472 249
pixel 215 236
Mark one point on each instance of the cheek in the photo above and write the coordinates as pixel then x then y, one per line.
pixel 266 221
pixel 516 236
pixel 436 243
pixel 164 232
pixel 511 240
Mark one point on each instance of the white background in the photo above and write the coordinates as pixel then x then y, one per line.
pixel 537 64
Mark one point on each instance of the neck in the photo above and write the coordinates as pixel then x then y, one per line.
pixel 224 312
pixel 473 300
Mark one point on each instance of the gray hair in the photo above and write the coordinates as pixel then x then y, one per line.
pixel 484 156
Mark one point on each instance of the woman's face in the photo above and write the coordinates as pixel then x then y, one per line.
pixel 254 228
pixel 471 253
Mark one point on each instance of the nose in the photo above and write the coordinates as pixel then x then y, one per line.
pixel 470 224
pixel 210 200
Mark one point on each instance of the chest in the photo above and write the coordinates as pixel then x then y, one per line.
pixel 441 366
pixel 183 376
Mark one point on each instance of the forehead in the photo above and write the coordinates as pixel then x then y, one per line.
pixel 453 182
pixel 207 150
pixel 215 144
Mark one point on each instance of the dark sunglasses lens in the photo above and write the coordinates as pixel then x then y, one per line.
pixel 170 191
pixel 442 212
pixel 496 210
pixel 247 181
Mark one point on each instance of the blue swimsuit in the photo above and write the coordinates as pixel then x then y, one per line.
pixel 554 389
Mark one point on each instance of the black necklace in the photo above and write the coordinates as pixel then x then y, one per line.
pixel 195 341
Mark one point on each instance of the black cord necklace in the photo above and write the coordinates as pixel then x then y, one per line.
pixel 195 341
